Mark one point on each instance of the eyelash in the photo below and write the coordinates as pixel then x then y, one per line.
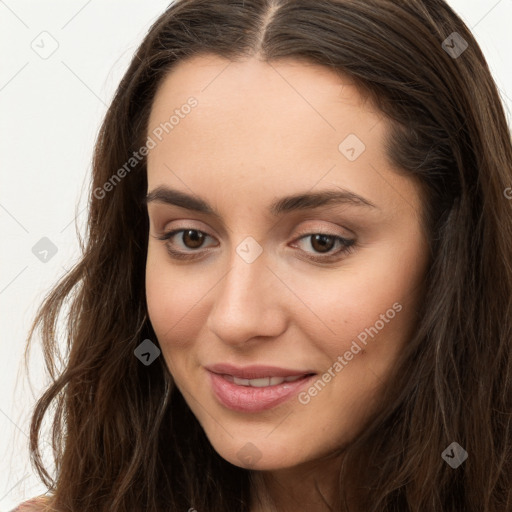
pixel 348 245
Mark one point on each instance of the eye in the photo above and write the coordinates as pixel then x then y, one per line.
pixel 190 238
pixel 322 244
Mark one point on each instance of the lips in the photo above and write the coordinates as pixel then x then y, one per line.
pixel 255 388
pixel 257 371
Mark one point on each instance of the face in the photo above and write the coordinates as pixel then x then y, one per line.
pixel 283 245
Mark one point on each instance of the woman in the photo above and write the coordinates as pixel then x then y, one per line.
pixel 295 292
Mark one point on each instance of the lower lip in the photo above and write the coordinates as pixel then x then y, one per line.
pixel 252 399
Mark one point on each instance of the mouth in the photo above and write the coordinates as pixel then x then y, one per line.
pixel 255 389
pixel 256 372
pixel 263 382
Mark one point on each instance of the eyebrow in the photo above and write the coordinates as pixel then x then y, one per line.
pixel 300 201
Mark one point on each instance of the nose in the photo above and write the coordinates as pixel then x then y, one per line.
pixel 249 303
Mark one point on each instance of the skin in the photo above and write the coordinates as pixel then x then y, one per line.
pixel 260 132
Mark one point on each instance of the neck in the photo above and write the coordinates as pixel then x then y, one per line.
pixel 310 486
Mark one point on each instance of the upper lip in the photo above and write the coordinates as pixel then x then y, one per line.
pixel 255 371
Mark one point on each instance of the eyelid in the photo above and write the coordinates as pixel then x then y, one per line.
pixel 315 230
pixel 302 233
pixel 308 230
pixel 169 234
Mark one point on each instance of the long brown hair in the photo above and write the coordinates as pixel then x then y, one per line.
pixel 125 440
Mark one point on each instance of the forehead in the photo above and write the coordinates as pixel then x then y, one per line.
pixel 286 89
pixel 262 125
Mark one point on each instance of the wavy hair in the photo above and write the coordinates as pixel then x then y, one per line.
pixel 123 437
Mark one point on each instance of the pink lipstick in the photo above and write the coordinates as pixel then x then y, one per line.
pixel 255 388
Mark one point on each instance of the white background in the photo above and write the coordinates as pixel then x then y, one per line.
pixel 51 110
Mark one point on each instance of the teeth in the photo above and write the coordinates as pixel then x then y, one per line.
pixel 241 382
pixel 258 383
pixel 263 382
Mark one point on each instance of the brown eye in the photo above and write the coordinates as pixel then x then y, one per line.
pixel 320 246
pixel 322 243
pixel 192 238
pixel 185 246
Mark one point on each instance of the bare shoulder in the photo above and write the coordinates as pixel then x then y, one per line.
pixel 39 504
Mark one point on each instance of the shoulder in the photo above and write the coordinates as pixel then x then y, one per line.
pixel 38 504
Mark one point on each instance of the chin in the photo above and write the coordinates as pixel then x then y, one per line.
pixel 258 452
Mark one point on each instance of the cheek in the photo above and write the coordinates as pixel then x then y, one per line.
pixel 171 297
pixel 331 307
pixel 372 301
